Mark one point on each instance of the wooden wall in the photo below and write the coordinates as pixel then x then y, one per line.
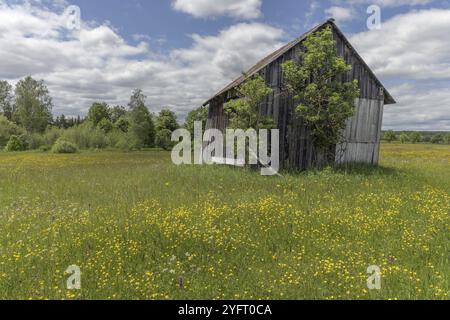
pixel 362 136
pixel 296 148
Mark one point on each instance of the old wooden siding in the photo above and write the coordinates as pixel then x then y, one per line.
pixel 361 141
pixel 296 147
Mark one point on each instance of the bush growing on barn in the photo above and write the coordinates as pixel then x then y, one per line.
pixel 324 102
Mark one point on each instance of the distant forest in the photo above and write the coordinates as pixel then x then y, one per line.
pixel 435 137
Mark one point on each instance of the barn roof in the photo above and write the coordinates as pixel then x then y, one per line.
pixel 277 54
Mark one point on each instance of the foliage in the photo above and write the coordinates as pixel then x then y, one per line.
pixel 16 143
pixel 65 123
pixel 199 114
pixel 123 124
pixel 33 105
pixel 163 139
pixel 86 137
pixel 166 120
pixel 141 121
pixel 34 141
pixel 7 129
pixel 390 136
pixel 117 112
pixel 105 125
pixel 415 137
pixel 51 135
pixel 437 139
pixel 97 112
pixel 323 102
pixel 243 113
pixel 6 100
pixel 165 124
pixel 404 138
pixel 447 138
pixel 64 147
pixel 127 142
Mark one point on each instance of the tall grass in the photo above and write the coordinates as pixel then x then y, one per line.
pixel 135 224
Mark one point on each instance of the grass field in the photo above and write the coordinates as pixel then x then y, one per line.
pixel 137 226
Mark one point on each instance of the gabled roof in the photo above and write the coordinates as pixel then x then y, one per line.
pixel 277 54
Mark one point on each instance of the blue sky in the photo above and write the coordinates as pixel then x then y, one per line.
pixel 180 52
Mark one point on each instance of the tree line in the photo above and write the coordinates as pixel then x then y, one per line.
pixel 27 122
pixel 417 137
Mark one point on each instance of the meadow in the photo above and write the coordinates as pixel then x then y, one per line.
pixel 141 228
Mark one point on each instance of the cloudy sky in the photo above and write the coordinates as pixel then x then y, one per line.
pixel 180 52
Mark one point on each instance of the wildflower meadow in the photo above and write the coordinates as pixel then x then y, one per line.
pixel 139 227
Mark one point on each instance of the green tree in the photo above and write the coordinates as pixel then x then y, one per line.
pixel 165 124
pixel 404 138
pixel 117 112
pixel 243 113
pixel 105 125
pixel 390 136
pixel 141 120
pixel 323 102
pixel 99 111
pixel 199 114
pixel 123 124
pixel 61 122
pixel 8 129
pixel 6 100
pixel 415 137
pixel 16 143
pixel 163 139
pixel 166 120
pixel 447 138
pixel 33 105
pixel 438 138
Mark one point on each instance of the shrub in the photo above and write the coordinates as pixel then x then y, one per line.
pixel 404 138
pixel 415 137
pixel 389 136
pixel 437 139
pixel 105 125
pixel 34 141
pixel 62 146
pixel 8 129
pixel 447 138
pixel 123 124
pixel 163 139
pixel 52 135
pixel 86 136
pixel 128 142
pixel 45 148
pixel 15 143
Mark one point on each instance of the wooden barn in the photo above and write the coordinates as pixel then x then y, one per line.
pixel 361 142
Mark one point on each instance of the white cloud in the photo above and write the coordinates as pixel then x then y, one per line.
pixel 340 14
pixel 414 44
pixel 419 109
pixel 96 63
pixel 385 3
pixel 243 9
pixel 413 47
